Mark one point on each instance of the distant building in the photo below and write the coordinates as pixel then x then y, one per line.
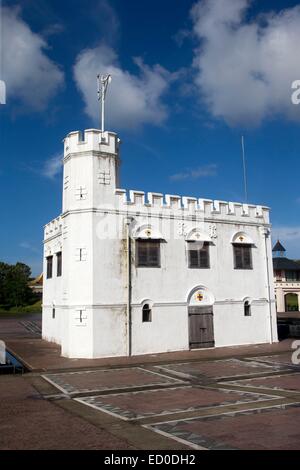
pixel 129 273
pixel 286 280
pixel 37 285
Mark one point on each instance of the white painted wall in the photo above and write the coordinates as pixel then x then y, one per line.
pixel 168 330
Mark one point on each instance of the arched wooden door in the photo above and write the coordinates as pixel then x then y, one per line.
pixel 201 319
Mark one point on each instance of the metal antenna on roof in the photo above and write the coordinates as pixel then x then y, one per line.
pixel 103 82
pixel 245 172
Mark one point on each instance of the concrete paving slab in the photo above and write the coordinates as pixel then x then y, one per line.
pixel 273 428
pixel 221 369
pixel 108 379
pixel 142 404
pixel 284 359
pixel 290 382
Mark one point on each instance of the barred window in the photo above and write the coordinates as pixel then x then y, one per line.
pixel 242 256
pixel 198 255
pixel 148 253
pixel 49 266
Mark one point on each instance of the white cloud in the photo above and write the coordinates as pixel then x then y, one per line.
pixel 132 99
pixel 245 68
pixel 28 246
pixel 30 76
pixel 53 166
pixel 181 36
pixel 196 173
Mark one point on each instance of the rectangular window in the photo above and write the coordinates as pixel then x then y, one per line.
pixel 49 266
pixel 148 253
pixel 53 313
pixel 242 256
pixel 198 255
pixel 59 264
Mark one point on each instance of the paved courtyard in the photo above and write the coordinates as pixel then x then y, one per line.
pixel 226 398
pixel 236 403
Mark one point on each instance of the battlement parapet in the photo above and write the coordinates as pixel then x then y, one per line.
pixel 91 140
pixel 192 205
pixel 53 228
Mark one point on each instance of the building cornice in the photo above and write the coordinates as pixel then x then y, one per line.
pixel 160 215
pixel 90 153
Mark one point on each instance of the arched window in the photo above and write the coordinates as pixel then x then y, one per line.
pixel 147 313
pixel 247 308
pixel 291 302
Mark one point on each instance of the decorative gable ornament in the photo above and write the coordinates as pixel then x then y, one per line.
pixel 243 238
pixel 147 232
pixel 196 235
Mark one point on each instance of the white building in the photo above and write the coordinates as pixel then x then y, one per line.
pixel 134 273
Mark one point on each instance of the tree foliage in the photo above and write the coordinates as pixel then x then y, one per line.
pixel 14 288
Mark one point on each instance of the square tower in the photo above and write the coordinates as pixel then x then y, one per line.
pixel 90 176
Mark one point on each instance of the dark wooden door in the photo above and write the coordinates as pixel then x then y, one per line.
pixel 201 327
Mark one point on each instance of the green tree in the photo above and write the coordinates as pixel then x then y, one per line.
pixel 14 289
pixel 4 268
pixel 23 268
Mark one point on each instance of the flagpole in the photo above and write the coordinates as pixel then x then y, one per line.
pixel 244 169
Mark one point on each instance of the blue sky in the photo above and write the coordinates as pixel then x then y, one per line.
pixel 189 78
